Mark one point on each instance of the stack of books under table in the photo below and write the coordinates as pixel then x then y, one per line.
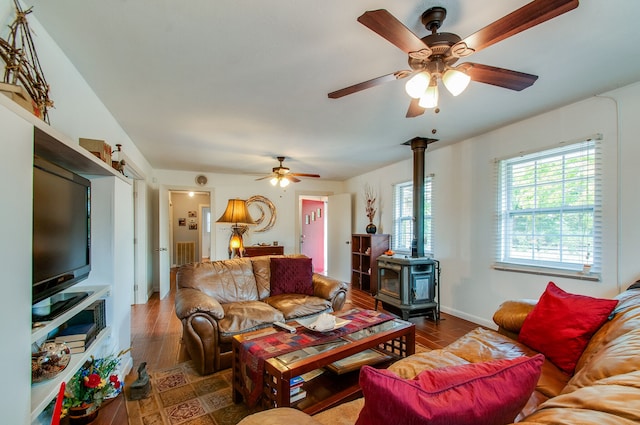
pixel 296 392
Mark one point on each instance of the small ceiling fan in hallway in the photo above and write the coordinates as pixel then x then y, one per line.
pixel 432 58
pixel 282 176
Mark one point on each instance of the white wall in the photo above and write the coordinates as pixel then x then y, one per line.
pixel 225 186
pixel 16 185
pixel 627 101
pixel 465 195
pixel 112 255
pixel 77 111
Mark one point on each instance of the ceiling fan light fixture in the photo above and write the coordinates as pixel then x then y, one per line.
pixel 430 97
pixel 417 85
pixel 274 181
pixel 455 81
pixel 284 182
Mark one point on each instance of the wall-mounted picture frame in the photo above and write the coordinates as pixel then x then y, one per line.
pixel 307 219
pixel 319 212
pixel 193 226
pixel 192 214
pixel 182 222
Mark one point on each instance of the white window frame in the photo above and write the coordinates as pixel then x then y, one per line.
pixel 538 229
pixel 403 217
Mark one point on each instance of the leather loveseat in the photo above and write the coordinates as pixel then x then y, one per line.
pixel 603 390
pixel 219 299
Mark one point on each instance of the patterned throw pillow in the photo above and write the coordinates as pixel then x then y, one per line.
pixel 291 276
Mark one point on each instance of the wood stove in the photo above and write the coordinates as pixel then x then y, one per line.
pixel 410 285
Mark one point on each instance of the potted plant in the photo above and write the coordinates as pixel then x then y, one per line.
pixel 96 381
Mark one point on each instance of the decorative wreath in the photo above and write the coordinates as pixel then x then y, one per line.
pixel 261 202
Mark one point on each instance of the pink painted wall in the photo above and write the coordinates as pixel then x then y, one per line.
pixel 314 232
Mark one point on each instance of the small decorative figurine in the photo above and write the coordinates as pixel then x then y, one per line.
pixel 141 387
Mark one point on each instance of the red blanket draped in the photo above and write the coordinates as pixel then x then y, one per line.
pixel 254 352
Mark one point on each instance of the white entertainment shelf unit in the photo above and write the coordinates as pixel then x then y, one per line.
pixel 112 251
pixel 43 392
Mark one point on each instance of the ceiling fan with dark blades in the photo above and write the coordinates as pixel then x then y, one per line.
pixel 282 176
pixel 432 58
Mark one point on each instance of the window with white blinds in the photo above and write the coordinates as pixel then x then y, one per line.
pixel 403 217
pixel 549 208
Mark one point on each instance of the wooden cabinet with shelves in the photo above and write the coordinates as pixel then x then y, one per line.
pixel 365 250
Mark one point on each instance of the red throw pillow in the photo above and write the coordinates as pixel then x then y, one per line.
pixel 291 276
pixel 491 393
pixel 561 325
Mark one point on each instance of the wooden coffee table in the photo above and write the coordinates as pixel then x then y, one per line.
pixel 339 359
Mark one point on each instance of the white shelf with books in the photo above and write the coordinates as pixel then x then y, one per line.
pixel 40 333
pixel 43 392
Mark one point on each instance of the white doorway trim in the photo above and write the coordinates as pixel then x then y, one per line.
pixel 165 232
pixel 141 288
pixel 204 228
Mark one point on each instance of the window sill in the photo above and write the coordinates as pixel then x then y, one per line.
pixel 569 274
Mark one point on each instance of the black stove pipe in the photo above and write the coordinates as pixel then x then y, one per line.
pixel 418 146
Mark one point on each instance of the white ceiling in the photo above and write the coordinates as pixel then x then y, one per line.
pixel 228 85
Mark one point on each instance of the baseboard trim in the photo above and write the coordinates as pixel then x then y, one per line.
pixel 475 319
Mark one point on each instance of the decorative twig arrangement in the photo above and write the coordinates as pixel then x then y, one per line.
pixel 22 64
pixel 370 202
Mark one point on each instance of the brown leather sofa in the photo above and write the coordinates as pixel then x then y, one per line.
pixel 217 300
pixel 604 390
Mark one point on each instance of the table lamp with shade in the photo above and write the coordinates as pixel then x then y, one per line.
pixel 238 216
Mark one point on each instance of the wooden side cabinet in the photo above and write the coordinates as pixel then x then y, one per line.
pixel 254 251
pixel 365 250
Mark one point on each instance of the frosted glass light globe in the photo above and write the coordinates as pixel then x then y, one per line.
pixel 455 81
pixel 430 97
pixel 417 84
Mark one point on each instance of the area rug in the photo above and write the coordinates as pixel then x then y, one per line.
pixel 180 396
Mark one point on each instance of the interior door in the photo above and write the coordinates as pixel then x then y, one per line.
pixel 339 236
pixel 163 262
pixel 313 234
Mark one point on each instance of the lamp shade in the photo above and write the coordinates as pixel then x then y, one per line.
pixel 236 213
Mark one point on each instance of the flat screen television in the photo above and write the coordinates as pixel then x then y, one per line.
pixel 61 229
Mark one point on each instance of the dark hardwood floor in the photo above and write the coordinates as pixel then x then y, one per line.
pixel 156 339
